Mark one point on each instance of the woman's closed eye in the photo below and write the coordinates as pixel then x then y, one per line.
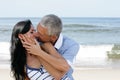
pixel 33 31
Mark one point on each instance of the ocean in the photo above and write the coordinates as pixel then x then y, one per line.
pixel 97 37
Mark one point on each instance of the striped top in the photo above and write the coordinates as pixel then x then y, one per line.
pixel 40 74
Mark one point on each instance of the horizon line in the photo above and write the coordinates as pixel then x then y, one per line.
pixel 63 17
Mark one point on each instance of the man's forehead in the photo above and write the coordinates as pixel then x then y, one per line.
pixel 40 27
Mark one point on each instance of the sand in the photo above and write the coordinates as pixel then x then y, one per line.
pixel 5 74
pixel 96 74
pixel 79 74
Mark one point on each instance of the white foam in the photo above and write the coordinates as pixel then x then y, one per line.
pixel 99 51
pixel 4 50
pixel 88 54
pixel 92 54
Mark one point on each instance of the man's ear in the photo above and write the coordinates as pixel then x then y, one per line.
pixel 54 37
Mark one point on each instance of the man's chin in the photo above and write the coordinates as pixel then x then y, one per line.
pixel 40 42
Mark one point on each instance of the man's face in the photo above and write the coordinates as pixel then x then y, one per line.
pixel 42 34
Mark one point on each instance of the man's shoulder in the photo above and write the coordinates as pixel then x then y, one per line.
pixel 68 42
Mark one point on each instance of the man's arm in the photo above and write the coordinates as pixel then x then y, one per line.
pixel 54 72
pixel 54 63
pixel 53 57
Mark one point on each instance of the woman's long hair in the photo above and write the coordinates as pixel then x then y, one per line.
pixel 18 52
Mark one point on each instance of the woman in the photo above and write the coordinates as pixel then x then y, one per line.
pixel 18 52
pixel 20 59
pixel 24 65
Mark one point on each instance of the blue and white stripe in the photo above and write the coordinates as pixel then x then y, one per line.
pixel 41 74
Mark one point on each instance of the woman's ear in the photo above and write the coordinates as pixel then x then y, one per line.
pixel 20 36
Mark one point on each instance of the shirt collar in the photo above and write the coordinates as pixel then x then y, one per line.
pixel 59 42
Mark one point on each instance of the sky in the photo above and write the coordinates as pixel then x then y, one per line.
pixel 62 8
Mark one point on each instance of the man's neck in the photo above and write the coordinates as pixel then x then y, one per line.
pixel 54 41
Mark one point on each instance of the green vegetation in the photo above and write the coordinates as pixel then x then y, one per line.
pixel 114 53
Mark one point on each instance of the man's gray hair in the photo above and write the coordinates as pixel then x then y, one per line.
pixel 53 23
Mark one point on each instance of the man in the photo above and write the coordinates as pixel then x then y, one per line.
pixel 59 51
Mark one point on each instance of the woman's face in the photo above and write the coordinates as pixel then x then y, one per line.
pixel 31 32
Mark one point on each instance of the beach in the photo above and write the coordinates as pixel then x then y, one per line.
pixel 96 74
pixel 97 37
pixel 79 74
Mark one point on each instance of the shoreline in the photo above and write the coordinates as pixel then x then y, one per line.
pixel 79 73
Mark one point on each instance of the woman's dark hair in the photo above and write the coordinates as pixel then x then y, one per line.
pixel 18 52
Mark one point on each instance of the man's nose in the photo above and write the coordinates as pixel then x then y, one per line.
pixel 35 34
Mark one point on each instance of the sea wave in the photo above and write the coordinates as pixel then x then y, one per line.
pixel 88 55
pixel 5 28
pixel 74 28
pixel 84 52
pixel 80 25
pixel 89 28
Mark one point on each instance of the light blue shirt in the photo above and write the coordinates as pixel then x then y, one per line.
pixel 68 48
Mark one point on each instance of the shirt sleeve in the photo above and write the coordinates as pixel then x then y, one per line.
pixel 71 53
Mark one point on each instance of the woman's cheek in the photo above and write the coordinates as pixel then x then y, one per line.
pixel 28 35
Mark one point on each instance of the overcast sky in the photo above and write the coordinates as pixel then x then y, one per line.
pixel 63 8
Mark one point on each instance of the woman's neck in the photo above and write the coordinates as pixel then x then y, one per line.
pixel 32 61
